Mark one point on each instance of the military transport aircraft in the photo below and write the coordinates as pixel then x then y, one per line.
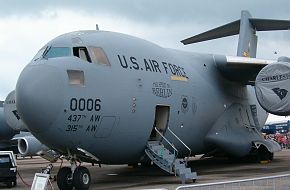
pixel 6 132
pixel 11 138
pixel 14 134
pixel 110 98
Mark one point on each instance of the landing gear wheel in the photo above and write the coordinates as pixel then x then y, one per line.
pixel 9 184
pixel 64 179
pixel 133 165
pixel 14 182
pixel 264 154
pixel 81 178
pixel 271 156
pixel 146 164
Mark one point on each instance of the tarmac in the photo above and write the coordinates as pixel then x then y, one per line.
pixel 129 178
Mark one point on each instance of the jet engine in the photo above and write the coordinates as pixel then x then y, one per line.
pixel 273 86
pixel 30 146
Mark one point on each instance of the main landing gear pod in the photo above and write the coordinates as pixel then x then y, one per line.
pixel 273 87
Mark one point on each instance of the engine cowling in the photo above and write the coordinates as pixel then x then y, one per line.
pixel 30 146
pixel 273 87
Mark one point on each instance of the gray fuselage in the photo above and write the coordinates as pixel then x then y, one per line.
pixel 109 109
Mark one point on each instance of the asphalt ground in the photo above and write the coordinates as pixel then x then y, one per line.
pixel 129 178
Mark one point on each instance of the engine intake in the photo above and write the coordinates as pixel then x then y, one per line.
pixel 30 146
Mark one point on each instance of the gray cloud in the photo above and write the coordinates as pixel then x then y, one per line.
pixel 179 19
pixel 191 17
pixel 201 11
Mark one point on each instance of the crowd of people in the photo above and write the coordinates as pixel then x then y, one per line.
pixel 282 139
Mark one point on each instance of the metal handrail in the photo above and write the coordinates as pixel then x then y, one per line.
pixel 187 158
pixel 175 150
pixel 232 181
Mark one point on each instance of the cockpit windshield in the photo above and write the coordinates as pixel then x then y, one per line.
pixel 51 52
pixel 57 52
pixel 95 54
pixel 99 56
pixel 39 54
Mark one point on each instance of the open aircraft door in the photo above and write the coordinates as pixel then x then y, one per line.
pixel 160 121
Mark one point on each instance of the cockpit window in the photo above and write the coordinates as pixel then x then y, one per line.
pixel 57 52
pixel 82 53
pixel 99 56
pixel 39 54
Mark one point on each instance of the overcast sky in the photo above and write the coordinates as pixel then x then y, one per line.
pixel 25 26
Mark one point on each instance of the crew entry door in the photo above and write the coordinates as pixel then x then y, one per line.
pixel 160 122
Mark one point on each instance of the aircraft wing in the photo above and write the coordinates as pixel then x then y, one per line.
pixel 240 69
pixel 245 67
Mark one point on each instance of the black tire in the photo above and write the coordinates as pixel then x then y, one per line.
pixel 264 154
pixel 146 164
pixel 14 182
pixel 9 184
pixel 81 178
pixel 133 165
pixel 64 179
pixel 271 156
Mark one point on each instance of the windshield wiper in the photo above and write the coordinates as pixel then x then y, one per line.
pixel 46 51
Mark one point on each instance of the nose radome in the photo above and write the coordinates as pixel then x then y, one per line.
pixel 39 96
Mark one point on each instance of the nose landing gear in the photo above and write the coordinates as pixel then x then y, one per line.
pixel 64 179
pixel 76 176
pixel 81 178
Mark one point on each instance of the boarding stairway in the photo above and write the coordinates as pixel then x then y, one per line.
pixel 168 161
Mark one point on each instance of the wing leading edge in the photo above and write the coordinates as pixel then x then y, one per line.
pixel 240 69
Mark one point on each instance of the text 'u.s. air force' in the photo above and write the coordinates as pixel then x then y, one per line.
pixel 150 65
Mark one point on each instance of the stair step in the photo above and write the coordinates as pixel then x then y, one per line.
pixel 167 161
pixel 179 161
pixel 191 175
pixel 179 167
pixel 153 142
pixel 188 176
pixel 157 147
pixel 170 162
pixel 164 152
pixel 178 164
pixel 169 157
pixel 182 171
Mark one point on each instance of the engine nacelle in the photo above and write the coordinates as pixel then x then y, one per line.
pixel 30 146
pixel 11 115
pixel 273 87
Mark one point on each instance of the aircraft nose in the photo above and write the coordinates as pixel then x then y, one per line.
pixel 39 96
